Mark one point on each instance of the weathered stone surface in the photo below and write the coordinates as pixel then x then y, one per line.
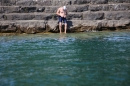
pixel 41 16
pixel 57 2
pixel 25 2
pixel 8 27
pixel 27 16
pixel 93 15
pixel 78 8
pixel 23 26
pixel 6 9
pixel 117 15
pixel 19 17
pixel 99 1
pixel 75 8
pixel 89 1
pixel 28 9
pixel 1 17
pixel 97 25
pixel 75 16
pixel 51 9
pixel 119 1
pixel 33 16
pixel 110 7
pixel 73 26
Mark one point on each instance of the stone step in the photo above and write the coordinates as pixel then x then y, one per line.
pixel 106 15
pixel 72 8
pixel 46 9
pixel 27 16
pixel 86 15
pixel 118 1
pixel 110 7
pixel 37 16
pixel 57 2
pixel 34 26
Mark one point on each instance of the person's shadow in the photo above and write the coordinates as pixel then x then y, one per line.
pixel 69 25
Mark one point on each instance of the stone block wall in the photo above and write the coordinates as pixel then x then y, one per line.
pixel 32 16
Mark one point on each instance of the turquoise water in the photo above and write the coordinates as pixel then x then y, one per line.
pixel 72 59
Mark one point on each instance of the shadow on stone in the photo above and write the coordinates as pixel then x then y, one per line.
pixel 70 24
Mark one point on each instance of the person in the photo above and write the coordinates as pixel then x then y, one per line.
pixel 62 13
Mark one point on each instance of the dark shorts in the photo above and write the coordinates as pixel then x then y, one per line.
pixel 62 19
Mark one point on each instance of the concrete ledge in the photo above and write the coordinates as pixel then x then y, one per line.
pixel 71 8
pixel 36 26
pixel 86 15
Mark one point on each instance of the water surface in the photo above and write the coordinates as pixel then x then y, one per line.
pixel 72 59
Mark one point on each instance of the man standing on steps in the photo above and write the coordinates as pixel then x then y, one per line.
pixel 62 13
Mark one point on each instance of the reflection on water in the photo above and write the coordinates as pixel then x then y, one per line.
pixel 80 59
pixel 62 37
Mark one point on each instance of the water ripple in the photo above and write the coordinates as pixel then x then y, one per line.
pixel 65 60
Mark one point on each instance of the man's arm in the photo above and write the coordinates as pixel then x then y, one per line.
pixel 58 12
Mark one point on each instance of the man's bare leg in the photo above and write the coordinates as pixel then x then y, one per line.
pixel 65 27
pixel 60 26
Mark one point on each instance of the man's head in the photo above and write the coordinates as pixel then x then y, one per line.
pixel 64 7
